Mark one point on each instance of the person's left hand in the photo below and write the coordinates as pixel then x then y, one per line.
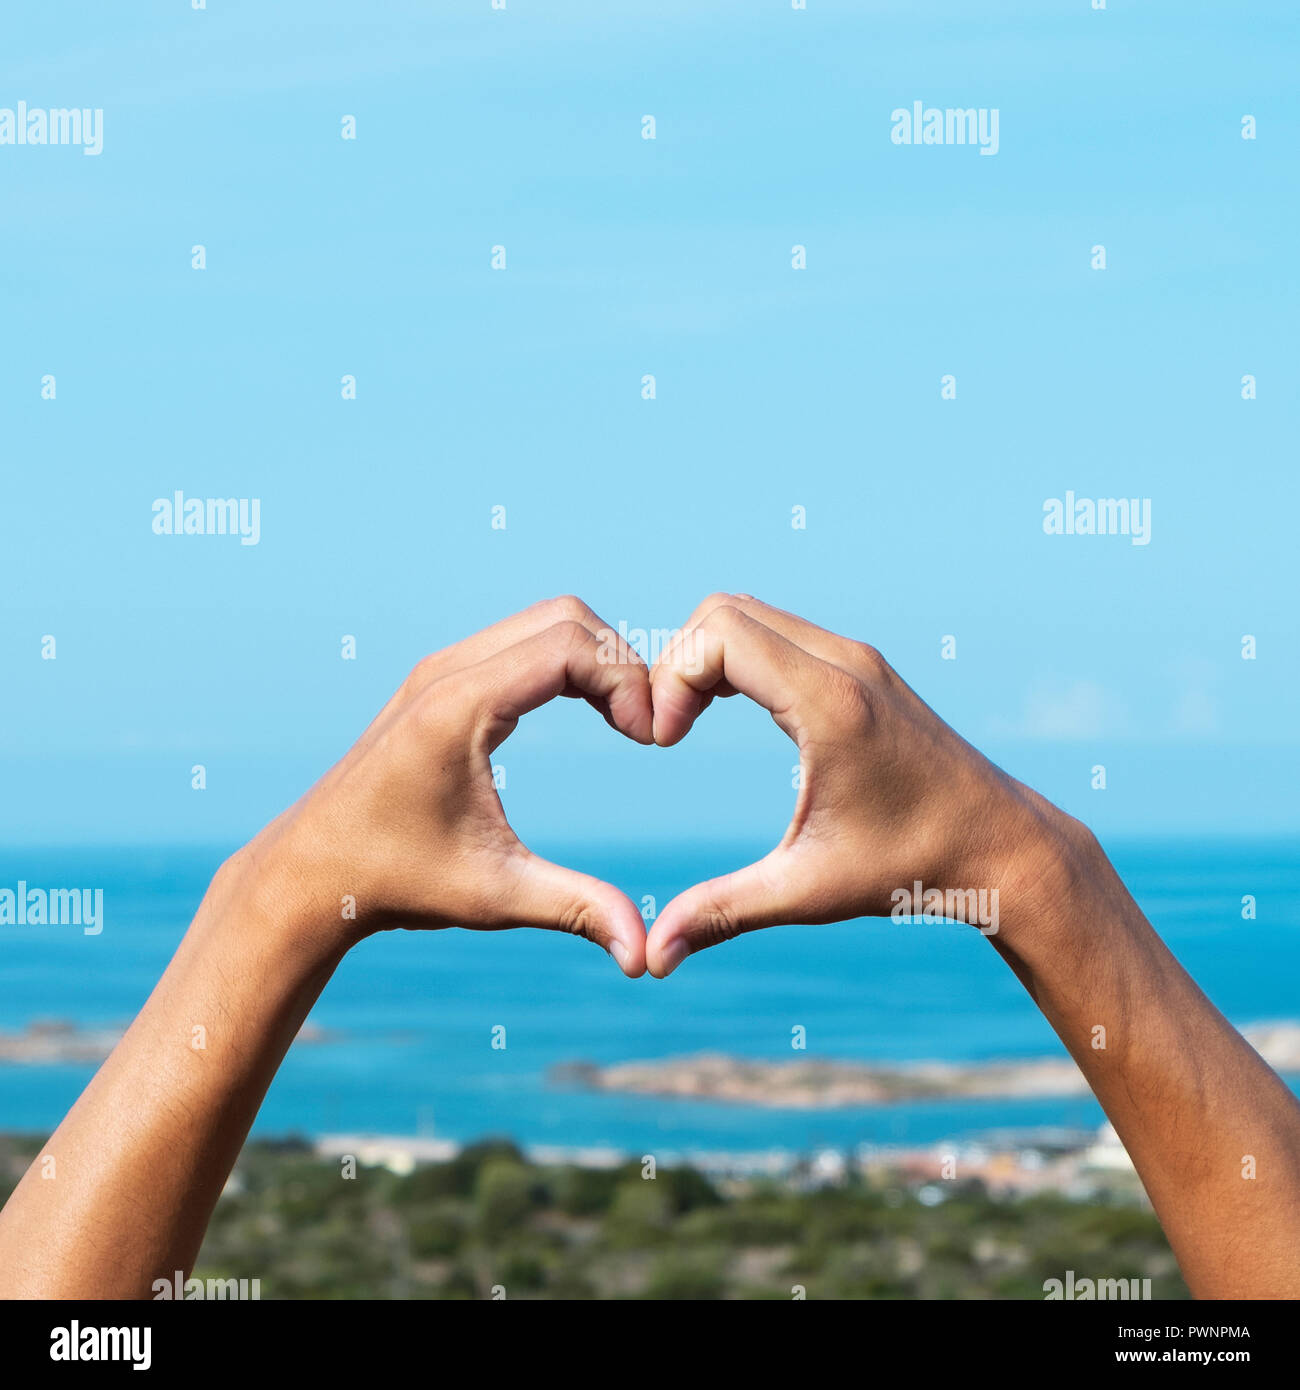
pixel 409 828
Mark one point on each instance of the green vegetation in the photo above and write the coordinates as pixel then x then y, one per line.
pixel 491 1219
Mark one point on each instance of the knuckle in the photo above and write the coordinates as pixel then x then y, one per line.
pixel 423 672
pixel 871 659
pixel 453 708
pixel 717 924
pixel 567 608
pixel 724 617
pixel 578 919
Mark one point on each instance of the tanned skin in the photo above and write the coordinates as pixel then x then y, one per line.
pixel 408 828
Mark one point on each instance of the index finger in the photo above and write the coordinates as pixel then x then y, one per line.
pixel 565 658
pixel 730 647
pixel 828 646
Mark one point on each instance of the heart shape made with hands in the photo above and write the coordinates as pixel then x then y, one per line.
pixel 888 793
pixel 734 644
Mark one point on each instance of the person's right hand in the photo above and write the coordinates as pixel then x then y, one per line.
pixel 889 794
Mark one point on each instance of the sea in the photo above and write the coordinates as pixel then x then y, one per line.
pixel 411 1017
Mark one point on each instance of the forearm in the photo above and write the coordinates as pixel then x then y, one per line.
pixel 1213 1132
pixel 407 829
pixel 122 1193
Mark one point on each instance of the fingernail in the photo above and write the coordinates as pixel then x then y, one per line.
pixel 620 954
pixel 673 955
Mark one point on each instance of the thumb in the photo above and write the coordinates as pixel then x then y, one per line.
pixel 554 898
pixel 757 896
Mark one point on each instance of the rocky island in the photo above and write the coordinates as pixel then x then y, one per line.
pixel 814 1084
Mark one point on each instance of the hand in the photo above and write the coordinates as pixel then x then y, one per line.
pixel 889 793
pixel 409 825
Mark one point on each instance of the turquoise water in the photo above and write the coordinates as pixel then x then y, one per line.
pixel 416 1011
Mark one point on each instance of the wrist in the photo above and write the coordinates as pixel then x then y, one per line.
pixel 1053 864
pixel 267 894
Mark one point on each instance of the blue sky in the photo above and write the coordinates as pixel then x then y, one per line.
pixel 775 388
